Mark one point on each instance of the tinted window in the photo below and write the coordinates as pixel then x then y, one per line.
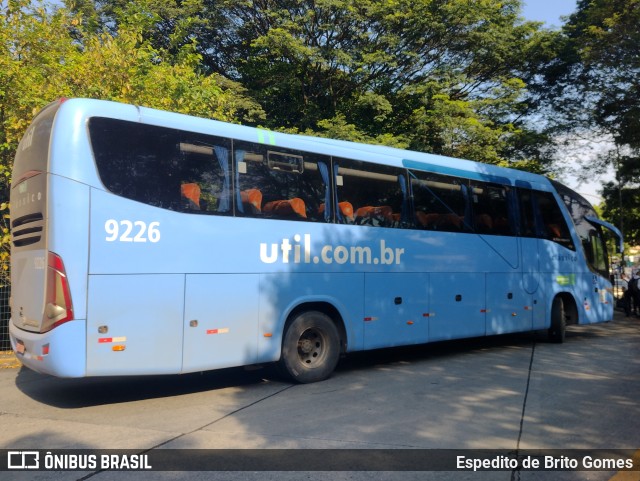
pixel 280 183
pixel 369 194
pixel 551 223
pixel 491 209
pixel 590 236
pixel 578 209
pixel 33 150
pixel 168 168
pixel 440 202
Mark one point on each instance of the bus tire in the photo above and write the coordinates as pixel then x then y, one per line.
pixel 310 348
pixel 558 327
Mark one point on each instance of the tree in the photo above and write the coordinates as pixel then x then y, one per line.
pixel 440 76
pixel 623 204
pixel 50 53
pixel 594 88
pixel 445 76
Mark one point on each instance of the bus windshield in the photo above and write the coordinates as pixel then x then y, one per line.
pixel 591 235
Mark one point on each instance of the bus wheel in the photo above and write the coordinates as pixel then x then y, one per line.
pixel 558 321
pixel 310 348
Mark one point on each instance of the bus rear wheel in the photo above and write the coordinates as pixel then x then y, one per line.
pixel 310 348
pixel 558 327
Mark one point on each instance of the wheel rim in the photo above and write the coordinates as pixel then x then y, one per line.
pixel 312 347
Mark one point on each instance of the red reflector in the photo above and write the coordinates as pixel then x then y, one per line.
pixel 58 306
pixel 45 350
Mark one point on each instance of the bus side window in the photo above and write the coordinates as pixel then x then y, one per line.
pixel 440 202
pixel 491 209
pixel 369 194
pixel 282 184
pixel 550 221
pixel 163 167
pixel 595 249
pixel 206 175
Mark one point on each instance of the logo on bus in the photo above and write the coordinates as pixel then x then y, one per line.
pixel 299 251
pixel 28 198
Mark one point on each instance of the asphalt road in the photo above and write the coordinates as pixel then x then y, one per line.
pixel 514 393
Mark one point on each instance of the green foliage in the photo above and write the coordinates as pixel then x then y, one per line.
pixel 5 245
pixel 47 53
pixel 445 76
pixel 442 76
pixel 606 36
pixel 595 84
pixel 339 128
pixel 622 207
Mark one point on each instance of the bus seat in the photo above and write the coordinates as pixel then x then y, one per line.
pixel 428 221
pixel 450 222
pixel 375 215
pixel 553 230
pixel 286 208
pixel 253 199
pixel 346 209
pixel 191 193
pixel 501 226
pixel 484 223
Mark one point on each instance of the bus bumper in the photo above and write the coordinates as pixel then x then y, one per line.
pixel 60 352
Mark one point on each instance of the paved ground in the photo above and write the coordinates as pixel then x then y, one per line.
pixel 511 392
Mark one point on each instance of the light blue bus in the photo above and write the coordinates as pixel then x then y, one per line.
pixel 149 242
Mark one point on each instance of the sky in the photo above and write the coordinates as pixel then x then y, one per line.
pixel 548 11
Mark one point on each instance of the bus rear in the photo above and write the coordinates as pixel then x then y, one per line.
pixel 42 314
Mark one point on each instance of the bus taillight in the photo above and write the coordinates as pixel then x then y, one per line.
pixel 58 308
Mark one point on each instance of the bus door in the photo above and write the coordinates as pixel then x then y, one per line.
pixel 220 321
pixel 396 309
pixel 457 308
pixel 597 256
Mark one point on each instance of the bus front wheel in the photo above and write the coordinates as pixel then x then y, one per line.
pixel 310 348
pixel 558 321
